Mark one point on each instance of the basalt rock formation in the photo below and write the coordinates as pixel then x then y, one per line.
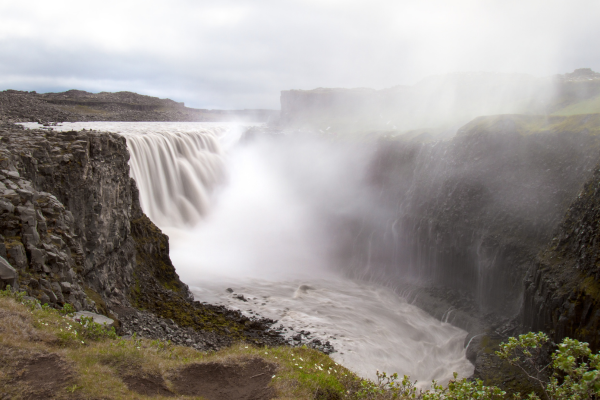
pixel 73 230
pixel 562 289
pixel 466 217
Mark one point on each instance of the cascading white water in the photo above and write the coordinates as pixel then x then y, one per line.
pixel 266 237
pixel 175 167
pixel 175 173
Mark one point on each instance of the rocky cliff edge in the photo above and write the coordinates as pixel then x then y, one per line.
pixel 72 231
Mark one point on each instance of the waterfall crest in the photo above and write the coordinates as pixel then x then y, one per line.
pixel 175 172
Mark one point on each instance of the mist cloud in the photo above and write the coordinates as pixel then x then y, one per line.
pixel 236 54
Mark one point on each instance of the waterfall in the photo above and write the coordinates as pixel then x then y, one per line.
pixel 175 173
pixel 267 218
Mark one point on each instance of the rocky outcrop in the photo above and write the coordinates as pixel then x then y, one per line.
pixel 562 290
pixel 78 105
pixel 73 230
pixel 81 231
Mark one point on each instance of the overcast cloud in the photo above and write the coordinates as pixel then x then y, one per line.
pixel 240 54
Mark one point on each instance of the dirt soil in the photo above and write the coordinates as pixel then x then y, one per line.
pixel 149 385
pixel 47 375
pixel 41 377
pixel 215 381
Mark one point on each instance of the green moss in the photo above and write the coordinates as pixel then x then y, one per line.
pixel 100 304
pixel 152 253
pixel 590 287
pixel 533 124
pixel 589 106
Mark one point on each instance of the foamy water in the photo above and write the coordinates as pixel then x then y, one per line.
pixel 249 218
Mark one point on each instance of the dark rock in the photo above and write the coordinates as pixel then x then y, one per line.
pixel 16 254
pixel 38 258
pixel 33 283
pixel 7 272
pixel 562 295
pixel 51 296
pixel 44 284
pixel 65 287
pixel 43 298
pixel 240 297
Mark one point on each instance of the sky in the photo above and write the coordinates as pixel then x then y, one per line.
pixel 235 54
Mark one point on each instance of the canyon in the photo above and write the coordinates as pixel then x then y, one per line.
pixel 492 229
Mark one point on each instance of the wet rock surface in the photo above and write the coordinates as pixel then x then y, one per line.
pixel 562 289
pixel 467 218
pixel 469 214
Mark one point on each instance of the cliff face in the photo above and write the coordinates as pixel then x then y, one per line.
pixel 562 290
pixel 81 231
pixel 471 213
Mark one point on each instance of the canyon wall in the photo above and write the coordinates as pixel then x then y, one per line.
pixel 562 289
pixel 470 214
pixel 74 214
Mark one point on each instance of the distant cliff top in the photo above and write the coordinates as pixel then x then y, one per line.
pixel 442 101
pixel 581 75
pixel 78 105
pixel 117 97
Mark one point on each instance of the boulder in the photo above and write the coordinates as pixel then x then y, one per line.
pixel 44 284
pixel 43 298
pixel 17 253
pixel 56 288
pixel 38 258
pixel 65 287
pixel 7 272
pixel 51 296
pixel 99 319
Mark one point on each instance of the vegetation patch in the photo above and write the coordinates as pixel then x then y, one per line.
pixel 47 354
pixel 588 106
pixel 532 124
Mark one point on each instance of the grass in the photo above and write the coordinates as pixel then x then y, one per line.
pixel 81 109
pixel 84 360
pixel 589 106
pixel 98 360
pixel 533 124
